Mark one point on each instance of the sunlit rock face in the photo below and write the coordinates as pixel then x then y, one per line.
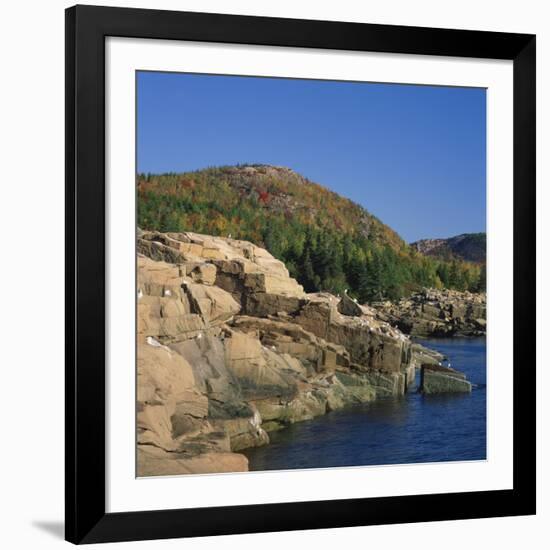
pixel 230 347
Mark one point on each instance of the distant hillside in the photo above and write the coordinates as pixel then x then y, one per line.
pixel 277 192
pixel 470 247
pixel 328 242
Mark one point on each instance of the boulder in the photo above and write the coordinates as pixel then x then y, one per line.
pixel 438 379
pixel 350 307
pixel 438 313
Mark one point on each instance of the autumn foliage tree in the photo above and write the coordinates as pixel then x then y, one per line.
pixel 327 241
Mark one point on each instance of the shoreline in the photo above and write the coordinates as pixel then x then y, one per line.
pixel 231 348
pixel 289 449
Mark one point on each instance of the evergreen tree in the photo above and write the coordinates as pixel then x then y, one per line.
pixel 481 285
pixel 443 274
pixel 309 279
pixel 453 275
pixel 370 282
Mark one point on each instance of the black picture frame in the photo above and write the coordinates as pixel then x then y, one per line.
pixel 86 30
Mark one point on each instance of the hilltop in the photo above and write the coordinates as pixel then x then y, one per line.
pixel 279 191
pixel 470 247
pixel 328 242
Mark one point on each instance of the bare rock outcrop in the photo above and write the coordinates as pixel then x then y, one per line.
pixel 438 313
pixel 349 306
pixel 230 347
pixel 382 352
pixel 439 379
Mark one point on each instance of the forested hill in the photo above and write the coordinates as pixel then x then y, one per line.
pixel 327 241
pixel 470 247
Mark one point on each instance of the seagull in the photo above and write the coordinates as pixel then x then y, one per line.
pixel 152 342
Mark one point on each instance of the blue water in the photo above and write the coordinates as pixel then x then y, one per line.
pixel 412 429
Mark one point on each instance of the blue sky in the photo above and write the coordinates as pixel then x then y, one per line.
pixel 414 156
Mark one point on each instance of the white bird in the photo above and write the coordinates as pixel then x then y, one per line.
pixel 229 236
pixel 152 342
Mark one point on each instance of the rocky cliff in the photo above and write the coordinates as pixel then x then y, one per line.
pixel 230 347
pixel 437 313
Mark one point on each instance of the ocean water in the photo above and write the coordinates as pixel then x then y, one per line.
pixel 412 429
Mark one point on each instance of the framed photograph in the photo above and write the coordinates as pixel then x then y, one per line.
pixel 300 274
